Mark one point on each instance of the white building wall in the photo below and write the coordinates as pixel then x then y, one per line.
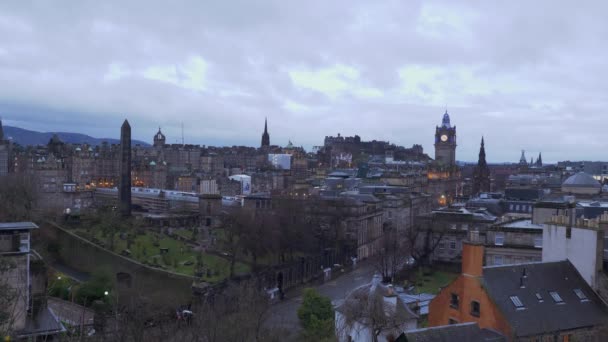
pixel 580 249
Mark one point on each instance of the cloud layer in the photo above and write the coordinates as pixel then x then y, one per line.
pixel 526 75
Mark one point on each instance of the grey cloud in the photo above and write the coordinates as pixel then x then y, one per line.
pixel 542 66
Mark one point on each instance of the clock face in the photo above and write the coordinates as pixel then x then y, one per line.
pixel 444 138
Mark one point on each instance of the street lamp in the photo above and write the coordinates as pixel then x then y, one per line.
pixel 105 293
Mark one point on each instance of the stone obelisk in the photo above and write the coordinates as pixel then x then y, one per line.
pixel 124 190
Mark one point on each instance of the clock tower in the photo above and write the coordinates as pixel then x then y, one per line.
pixel 445 142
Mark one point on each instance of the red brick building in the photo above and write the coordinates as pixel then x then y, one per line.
pixel 533 301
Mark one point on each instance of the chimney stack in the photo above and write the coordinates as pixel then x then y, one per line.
pixel 472 258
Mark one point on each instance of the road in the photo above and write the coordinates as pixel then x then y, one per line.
pixel 284 314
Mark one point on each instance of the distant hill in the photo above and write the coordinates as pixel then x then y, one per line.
pixel 26 137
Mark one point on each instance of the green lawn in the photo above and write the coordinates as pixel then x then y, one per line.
pixel 433 282
pixel 180 257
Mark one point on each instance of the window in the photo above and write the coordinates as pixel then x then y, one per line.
pixel 579 293
pixel 538 241
pixel 517 302
pixel 556 297
pixel 452 244
pixel 539 297
pixel 511 207
pixel 498 260
pixel 441 246
pixel 454 301
pixel 568 233
pixel 475 308
pixel 499 238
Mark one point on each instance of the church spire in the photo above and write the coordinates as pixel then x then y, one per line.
pixel 265 135
pixel 481 173
pixel 482 154
pixel 539 161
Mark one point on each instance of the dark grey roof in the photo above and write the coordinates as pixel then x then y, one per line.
pixel 547 316
pixel 17 226
pixel 456 332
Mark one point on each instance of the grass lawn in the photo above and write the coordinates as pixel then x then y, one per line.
pixel 180 258
pixel 433 282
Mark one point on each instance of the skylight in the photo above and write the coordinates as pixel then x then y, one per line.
pixel 517 302
pixel 579 293
pixel 539 297
pixel 556 297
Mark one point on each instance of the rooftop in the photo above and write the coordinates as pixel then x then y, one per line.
pixel 17 226
pixel 582 179
pixel 522 224
pixel 454 332
pixel 540 298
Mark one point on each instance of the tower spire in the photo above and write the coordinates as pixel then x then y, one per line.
pixel 265 135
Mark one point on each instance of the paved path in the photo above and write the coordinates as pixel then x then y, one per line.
pixel 80 277
pixel 284 314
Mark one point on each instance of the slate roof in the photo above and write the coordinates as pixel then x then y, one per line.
pixel 448 333
pixel 546 316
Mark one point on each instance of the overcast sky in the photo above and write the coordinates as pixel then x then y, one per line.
pixel 525 74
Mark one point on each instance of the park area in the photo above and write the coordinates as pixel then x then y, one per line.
pixel 165 252
pixel 431 281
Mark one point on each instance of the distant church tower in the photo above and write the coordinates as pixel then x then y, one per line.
pixel 481 173
pixel 445 142
pixel 265 136
pixel 124 190
pixel 159 139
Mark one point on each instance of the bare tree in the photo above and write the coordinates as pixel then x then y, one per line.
pixel 367 311
pixel 392 256
pixel 422 241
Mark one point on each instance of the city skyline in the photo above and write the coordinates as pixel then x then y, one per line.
pixel 383 71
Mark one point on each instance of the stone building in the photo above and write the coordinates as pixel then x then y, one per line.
pixel 513 242
pixel 446 230
pixel 30 318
